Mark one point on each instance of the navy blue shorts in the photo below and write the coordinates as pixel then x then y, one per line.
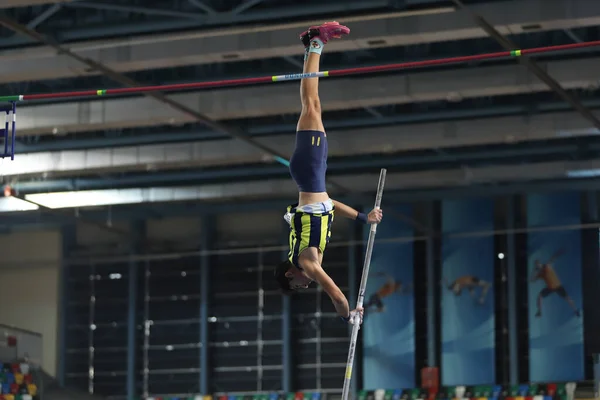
pixel 308 164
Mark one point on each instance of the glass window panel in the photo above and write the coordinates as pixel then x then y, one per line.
pixel 79 337
pixel 332 327
pixel 240 306
pixel 108 310
pixel 233 331
pixel 175 333
pixel 78 362
pixel 109 361
pixel 233 381
pixel 272 304
pixel 176 383
pixel 335 352
pixel 304 302
pixel 332 378
pixel 271 329
pixel 79 383
pixel 305 327
pixel 171 310
pixel 271 381
pixel 306 379
pixel 78 314
pixel 174 286
pixel 271 355
pixel 110 385
pixel 164 359
pixel 305 353
pixel 110 336
pixel 234 356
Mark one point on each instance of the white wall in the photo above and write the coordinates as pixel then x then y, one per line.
pixel 29 265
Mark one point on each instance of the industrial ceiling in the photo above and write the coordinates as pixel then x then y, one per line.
pixel 475 124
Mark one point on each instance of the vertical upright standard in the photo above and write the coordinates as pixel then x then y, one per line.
pixel 361 290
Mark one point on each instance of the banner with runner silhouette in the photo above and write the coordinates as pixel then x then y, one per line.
pixel 556 349
pixel 468 323
pixel 389 328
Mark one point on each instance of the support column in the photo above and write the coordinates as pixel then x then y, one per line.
pixel 69 241
pixel 206 244
pixel 431 289
pixel 590 284
pixel 138 233
pixel 513 328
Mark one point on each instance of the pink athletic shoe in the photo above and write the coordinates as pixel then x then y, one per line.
pixel 325 32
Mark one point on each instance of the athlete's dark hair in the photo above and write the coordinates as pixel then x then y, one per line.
pixel 282 280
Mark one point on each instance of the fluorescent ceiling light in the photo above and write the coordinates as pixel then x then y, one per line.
pixel 99 198
pixel 584 173
pixel 12 204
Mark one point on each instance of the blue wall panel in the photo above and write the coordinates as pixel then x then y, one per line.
pixel 468 338
pixel 389 329
pixel 555 336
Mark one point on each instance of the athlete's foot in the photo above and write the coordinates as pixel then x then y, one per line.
pixel 538 314
pixel 325 32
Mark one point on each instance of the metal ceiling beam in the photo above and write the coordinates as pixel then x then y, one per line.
pixel 136 10
pixel 342 143
pixel 405 161
pixel 356 183
pixel 203 6
pixel 27 3
pixel 530 63
pixel 282 99
pixel 273 41
pixel 181 108
pixel 247 4
pixel 50 11
pixel 216 19
pixel 163 135
pixel 274 202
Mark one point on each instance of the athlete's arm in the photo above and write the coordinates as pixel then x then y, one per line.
pixel 333 291
pixel 374 217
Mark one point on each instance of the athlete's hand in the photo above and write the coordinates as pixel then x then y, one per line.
pixel 356 315
pixel 375 216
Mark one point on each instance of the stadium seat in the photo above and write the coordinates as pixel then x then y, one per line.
pixel 32 389
pixel 9 397
pixel 6 388
pixel 19 378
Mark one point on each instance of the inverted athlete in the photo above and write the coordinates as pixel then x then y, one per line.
pixel 545 272
pixel 470 283
pixel 310 219
pixel 390 287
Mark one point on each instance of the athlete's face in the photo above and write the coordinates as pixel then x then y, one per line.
pixel 298 279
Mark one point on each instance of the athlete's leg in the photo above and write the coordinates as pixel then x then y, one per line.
pixel 314 40
pixel 543 293
pixel 310 117
pixel 485 287
pixel 562 292
pixel 572 304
